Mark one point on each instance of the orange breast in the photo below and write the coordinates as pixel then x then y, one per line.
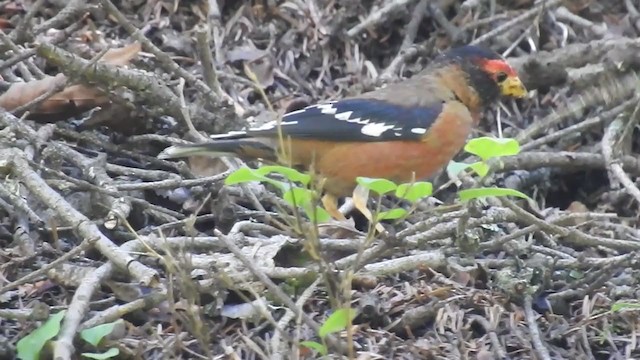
pixel 398 161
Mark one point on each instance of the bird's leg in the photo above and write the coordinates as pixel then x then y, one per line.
pixel 330 203
pixel 360 197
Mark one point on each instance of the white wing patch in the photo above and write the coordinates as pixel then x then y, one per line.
pixel 226 135
pixel 339 130
pixel 327 109
pixel 265 126
pixel 344 115
pixel 272 125
pixel 375 129
pixel 295 112
pixel 359 121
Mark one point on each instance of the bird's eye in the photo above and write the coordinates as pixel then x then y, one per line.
pixel 500 77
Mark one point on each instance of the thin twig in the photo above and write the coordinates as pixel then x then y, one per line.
pixel 274 289
pixel 518 20
pixel 608 144
pixel 536 339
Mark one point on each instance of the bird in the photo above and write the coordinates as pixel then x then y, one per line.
pixel 403 131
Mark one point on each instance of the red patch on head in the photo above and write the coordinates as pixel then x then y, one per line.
pixel 495 66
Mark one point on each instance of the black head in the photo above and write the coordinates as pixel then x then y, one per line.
pixel 487 72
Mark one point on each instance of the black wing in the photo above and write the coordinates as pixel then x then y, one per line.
pixel 351 120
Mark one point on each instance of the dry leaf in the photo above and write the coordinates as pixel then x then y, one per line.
pixel 262 70
pixel 72 97
pixel 246 52
pixel 235 274
pixel 339 229
pixel 577 207
pixel 256 63
pixel 576 6
pixel 202 166
pixel 516 4
pixel 5 24
pixel 121 56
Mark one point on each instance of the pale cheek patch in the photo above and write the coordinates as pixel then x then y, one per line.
pixel 375 129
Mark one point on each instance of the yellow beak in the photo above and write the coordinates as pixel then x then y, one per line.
pixel 513 86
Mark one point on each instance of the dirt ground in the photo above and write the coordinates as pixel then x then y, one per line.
pixel 93 223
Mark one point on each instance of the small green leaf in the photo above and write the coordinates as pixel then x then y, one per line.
pixel 575 274
pixel 480 167
pixel 243 174
pixel 337 321
pixel 321 349
pixel 291 174
pixel 380 186
pixel 392 214
pixel 320 215
pixel 304 198
pixel 488 147
pixel 298 196
pixel 414 192
pixel 454 168
pixel 619 306
pixel 29 347
pixel 476 193
pixel 95 334
pixel 105 355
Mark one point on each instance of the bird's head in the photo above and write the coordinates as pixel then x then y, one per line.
pixel 486 72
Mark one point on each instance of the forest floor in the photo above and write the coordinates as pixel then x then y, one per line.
pixel 182 266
